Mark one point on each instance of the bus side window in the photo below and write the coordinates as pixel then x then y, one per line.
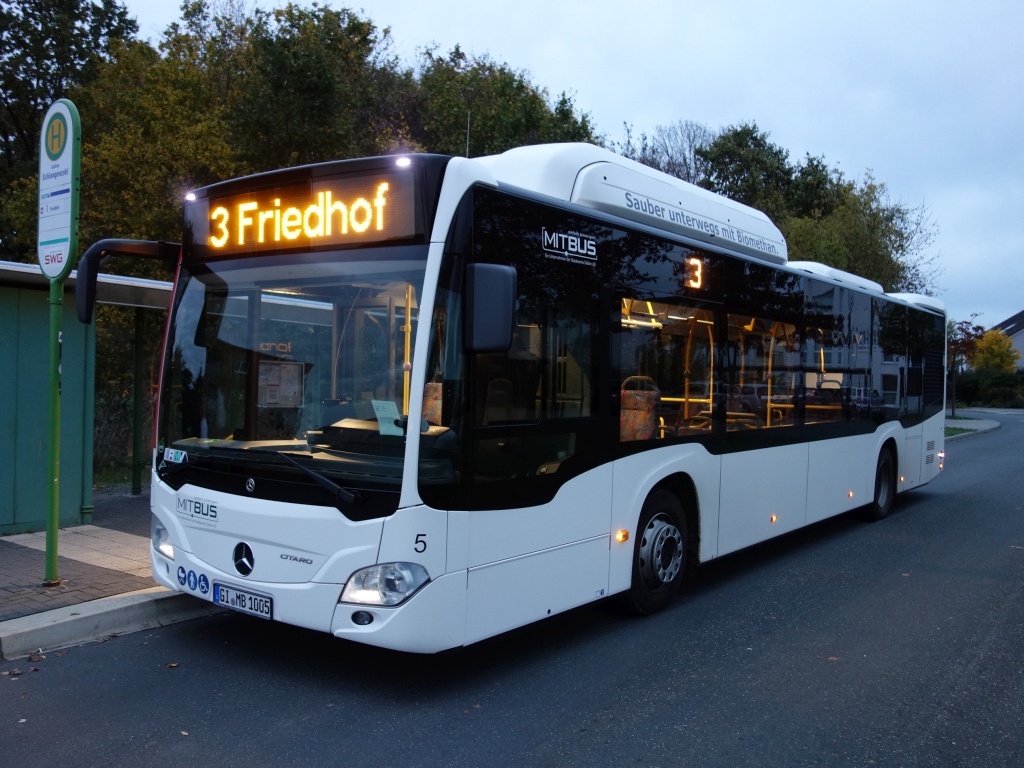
pixel 442 452
pixel 889 363
pixel 665 353
pixel 763 376
pixel 828 396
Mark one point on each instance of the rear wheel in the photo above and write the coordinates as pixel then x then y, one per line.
pixel 659 554
pixel 885 486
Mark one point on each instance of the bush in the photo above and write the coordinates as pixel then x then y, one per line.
pixel 990 388
pixel 112 435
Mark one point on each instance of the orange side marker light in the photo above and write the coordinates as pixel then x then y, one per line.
pixel 621 536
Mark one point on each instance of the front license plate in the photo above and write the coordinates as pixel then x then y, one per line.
pixel 246 602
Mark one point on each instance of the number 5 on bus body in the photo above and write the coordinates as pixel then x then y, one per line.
pixel 416 535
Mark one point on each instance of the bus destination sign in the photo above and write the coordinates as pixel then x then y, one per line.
pixel 338 211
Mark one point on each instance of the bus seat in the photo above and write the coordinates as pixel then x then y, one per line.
pixel 637 414
pixel 432 402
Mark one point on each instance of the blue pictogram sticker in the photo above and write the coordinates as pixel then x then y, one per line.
pixel 181 575
pixel 204 583
pixel 192 580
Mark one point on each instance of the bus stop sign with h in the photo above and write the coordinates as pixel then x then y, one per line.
pixel 60 151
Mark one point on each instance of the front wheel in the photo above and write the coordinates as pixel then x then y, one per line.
pixel 659 554
pixel 885 486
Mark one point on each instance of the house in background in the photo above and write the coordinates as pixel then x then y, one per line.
pixel 1014 328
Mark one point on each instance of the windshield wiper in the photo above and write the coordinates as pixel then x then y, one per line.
pixel 353 499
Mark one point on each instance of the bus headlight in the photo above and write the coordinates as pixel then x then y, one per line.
pixel 161 538
pixel 387 584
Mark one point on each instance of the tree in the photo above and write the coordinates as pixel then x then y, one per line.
pixel 853 226
pixel 320 85
pixel 744 165
pixel 502 108
pixel 47 47
pixel 961 338
pixel 671 149
pixel 994 351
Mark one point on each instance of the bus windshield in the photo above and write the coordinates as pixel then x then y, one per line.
pixel 305 354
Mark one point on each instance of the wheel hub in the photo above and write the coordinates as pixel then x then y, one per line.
pixel 661 552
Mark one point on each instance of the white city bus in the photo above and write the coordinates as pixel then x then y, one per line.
pixel 418 401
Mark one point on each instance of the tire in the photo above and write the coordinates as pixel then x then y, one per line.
pixel 659 554
pixel 885 486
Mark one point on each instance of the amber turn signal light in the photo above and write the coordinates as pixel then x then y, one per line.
pixel 621 536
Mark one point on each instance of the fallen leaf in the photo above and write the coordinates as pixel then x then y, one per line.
pixel 833 658
pixel 184 733
pixel 36 657
pixel 171 664
pixel 1014 546
pixel 477 706
pixel 906 574
pixel 22 720
pixel 465 711
pixel 4 674
pixel 14 672
pixel 61 653
pixel 34 669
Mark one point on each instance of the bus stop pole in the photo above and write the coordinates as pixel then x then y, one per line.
pixel 53 450
pixel 137 407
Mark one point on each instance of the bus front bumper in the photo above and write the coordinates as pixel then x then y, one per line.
pixel 432 620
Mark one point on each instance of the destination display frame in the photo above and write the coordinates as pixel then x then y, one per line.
pixel 326 207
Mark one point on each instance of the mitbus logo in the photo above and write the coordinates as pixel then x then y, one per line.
pixel 570 244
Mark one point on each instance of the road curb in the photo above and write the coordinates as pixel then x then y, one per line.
pixel 96 619
pixel 989 426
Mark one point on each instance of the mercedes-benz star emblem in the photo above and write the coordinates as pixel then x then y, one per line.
pixel 242 556
pixel 250 485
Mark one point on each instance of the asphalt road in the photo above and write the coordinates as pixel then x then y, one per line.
pixel 850 643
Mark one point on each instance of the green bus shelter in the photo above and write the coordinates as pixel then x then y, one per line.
pixel 24 350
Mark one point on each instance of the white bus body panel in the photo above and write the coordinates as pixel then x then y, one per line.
pixel 688 211
pixel 511 593
pixel 531 562
pixel 840 475
pixel 756 485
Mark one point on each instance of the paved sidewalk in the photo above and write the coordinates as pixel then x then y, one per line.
pixel 970 426
pixel 109 557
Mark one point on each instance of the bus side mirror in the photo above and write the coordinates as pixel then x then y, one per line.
pixel 97 255
pixel 491 292
pixel 85 285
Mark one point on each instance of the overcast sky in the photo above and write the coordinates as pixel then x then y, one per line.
pixel 928 95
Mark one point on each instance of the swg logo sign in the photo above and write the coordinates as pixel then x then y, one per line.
pixel 568 246
pixel 199 510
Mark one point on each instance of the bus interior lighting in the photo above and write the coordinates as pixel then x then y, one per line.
pixel 633 323
pixel 403 162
